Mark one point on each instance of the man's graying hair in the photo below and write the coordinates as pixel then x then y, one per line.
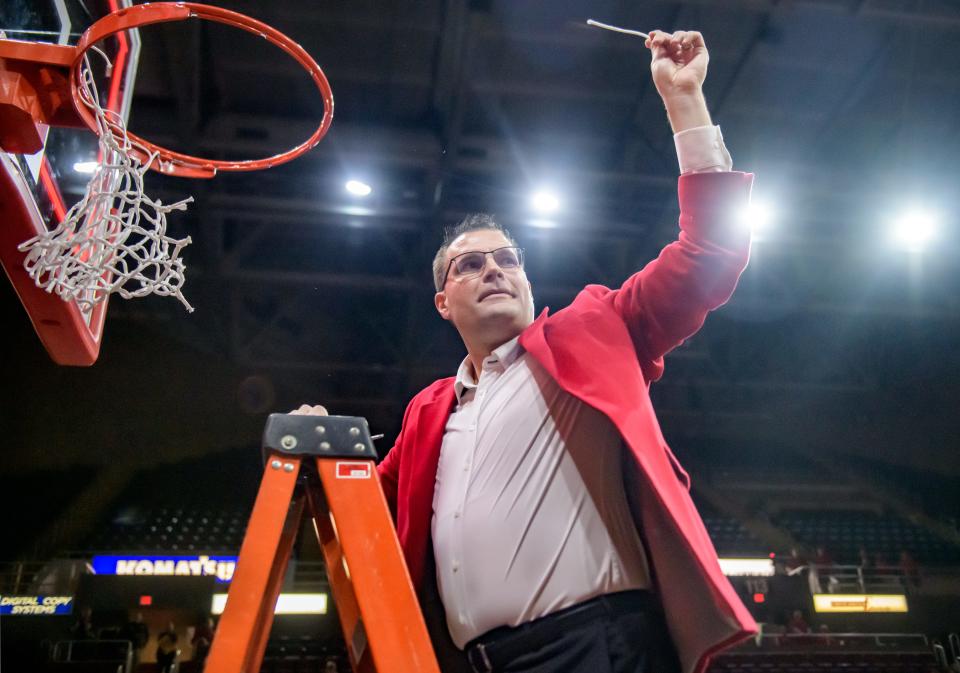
pixel 472 222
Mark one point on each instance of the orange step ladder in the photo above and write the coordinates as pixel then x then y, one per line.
pixel 324 464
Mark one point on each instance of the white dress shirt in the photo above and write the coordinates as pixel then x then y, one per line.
pixel 529 510
pixel 702 150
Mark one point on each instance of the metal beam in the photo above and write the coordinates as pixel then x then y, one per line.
pixel 357 281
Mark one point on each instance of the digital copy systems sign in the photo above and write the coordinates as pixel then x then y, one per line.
pixel 36 605
pixel 220 567
pixel 860 603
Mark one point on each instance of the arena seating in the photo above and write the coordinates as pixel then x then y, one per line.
pixel 831 653
pixel 166 530
pixel 299 654
pixel 845 532
pixel 196 505
pixel 728 535
pixel 826 663
pixel 935 493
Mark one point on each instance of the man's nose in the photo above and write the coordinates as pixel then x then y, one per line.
pixel 491 268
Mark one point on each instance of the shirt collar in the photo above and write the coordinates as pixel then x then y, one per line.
pixel 505 354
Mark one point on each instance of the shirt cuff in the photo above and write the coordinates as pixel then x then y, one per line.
pixel 701 150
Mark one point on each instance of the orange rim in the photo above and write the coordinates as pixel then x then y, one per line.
pixel 177 163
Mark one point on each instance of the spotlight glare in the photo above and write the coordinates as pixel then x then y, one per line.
pixel 757 216
pixel 358 188
pixel 915 229
pixel 545 201
pixel 85 166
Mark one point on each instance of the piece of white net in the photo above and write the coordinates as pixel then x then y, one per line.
pixel 114 240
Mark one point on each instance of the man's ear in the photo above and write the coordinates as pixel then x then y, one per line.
pixel 440 301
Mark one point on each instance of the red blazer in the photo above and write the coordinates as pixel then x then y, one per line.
pixel 606 348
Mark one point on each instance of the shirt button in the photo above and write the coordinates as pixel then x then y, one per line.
pixel 456 566
pixel 456 515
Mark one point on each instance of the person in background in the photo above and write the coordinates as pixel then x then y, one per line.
pixel 794 561
pixel 826 639
pixel 823 568
pixel 202 639
pixel 83 629
pixel 137 633
pixel 880 562
pixel 823 558
pixel 797 624
pixel 167 648
pixel 910 569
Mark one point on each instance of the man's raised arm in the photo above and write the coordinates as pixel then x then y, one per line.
pixel 669 299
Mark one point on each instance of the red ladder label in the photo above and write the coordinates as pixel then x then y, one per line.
pixel 354 470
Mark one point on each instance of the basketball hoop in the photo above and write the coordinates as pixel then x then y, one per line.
pixel 175 163
pixel 114 240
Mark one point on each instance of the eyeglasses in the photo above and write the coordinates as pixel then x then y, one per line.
pixel 470 264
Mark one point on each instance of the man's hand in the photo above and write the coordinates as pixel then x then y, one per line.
pixel 307 410
pixel 679 67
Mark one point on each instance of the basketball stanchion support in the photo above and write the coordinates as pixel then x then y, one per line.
pixel 324 466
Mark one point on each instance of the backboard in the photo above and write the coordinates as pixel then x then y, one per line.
pixel 37 189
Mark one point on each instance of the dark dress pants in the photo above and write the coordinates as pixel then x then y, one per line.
pixel 629 637
pixel 626 643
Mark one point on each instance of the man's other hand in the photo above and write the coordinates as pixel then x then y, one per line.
pixel 308 410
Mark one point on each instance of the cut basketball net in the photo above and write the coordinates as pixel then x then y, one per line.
pixel 114 240
pixel 616 29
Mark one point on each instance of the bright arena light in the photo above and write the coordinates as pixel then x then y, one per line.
pixel 758 216
pixel 85 166
pixel 545 201
pixel 747 567
pixel 287 604
pixel 915 229
pixel 358 188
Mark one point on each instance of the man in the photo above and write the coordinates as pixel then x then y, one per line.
pixel 202 639
pixel 83 629
pixel 167 650
pixel 137 633
pixel 560 524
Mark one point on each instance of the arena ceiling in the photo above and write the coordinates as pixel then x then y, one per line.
pixel 845 109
